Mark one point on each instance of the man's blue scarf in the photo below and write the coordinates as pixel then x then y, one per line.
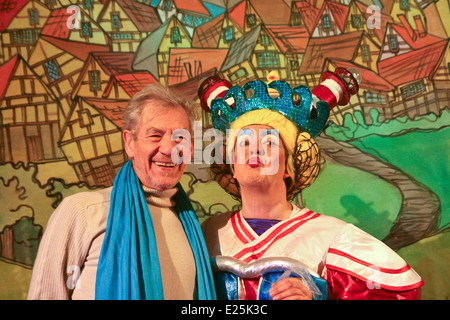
pixel 128 267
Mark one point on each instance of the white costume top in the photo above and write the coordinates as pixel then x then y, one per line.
pixel 328 246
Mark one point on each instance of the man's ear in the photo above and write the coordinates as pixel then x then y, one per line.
pixel 129 141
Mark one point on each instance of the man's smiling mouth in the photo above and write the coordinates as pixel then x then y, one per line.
pixel 165 164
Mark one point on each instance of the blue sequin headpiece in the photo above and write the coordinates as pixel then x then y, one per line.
pixel 299 111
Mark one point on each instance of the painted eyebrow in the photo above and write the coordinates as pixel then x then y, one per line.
pixel 246 131
pixel 269 131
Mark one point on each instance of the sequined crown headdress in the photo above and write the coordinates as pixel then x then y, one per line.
pixel 309 110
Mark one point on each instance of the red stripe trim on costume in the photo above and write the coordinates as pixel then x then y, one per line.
pixel 276 234
pixel 370 265
pixel 383 286
pixel 243 227
pixel 237 231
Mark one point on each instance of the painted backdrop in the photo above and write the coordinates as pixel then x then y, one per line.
pixel 68 68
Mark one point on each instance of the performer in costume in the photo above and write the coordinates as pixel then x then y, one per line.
pixel 139 239
pixel 271 248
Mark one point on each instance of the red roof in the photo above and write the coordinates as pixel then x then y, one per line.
pixel 370 79
pixel 56 25
pixel 131 83
pixel 273 12
pixel 208 34
pixel 414 65
pixel 413 39
pixel 8 11
pixel 339 12
pixel 79 50
pixel 237 14
pixel 112 109
pixel 115 63
pixel 309 14
pixel 191 5
pixel 384 19
pixel 192 60
pixel 7 71
pixel 343 46
pixel 290 39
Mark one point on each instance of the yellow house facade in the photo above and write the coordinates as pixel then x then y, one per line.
pixel 127 23
pixel 175 36
pixel 92 140
pixel 97 70
pixel 20 27
pixel 29 116
pixel 58 63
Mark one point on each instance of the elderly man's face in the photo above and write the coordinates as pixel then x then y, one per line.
pixel 151 151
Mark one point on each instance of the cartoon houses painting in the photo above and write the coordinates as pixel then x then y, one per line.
pixel 92 139
pixel 59 56
pixel 191 13
pixel 356 47
pixel 69 67
pixel 154 51
pixel 330 21
pixel 97 70
pixel 20 24
pixel 221 31
pixel 409 60
pixel 30 115
pixel 292 43
pixel 127 23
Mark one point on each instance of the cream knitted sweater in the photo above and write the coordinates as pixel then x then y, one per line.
pixel 66 264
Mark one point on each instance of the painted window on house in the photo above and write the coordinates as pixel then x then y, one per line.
pixel 229 34
pixel 94 80
pixel 240 73
pixel 393 43
pixel 122 36
pixel 356 21
pixel 52 70
pixel 265 40
pixel 404 4
pixel 115 20
pixel 251 20
pixel 85 118
pixel 175 36
pixel 198 21
pixel 188 20
pixel 365 53
pixel 34 16
pixel 103 175
pixel 268 60
pixel 15 37
pixel 27 36
pixel 86 29
pixel 167 4
pixel 88 4
pixel 296 19
pixel 412 89
pixel 326 21
pixel 375 98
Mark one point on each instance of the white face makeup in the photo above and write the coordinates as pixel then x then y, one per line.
pixel 258 147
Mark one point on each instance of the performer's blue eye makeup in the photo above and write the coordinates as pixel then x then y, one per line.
pixel 246 131
pixel 270 136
